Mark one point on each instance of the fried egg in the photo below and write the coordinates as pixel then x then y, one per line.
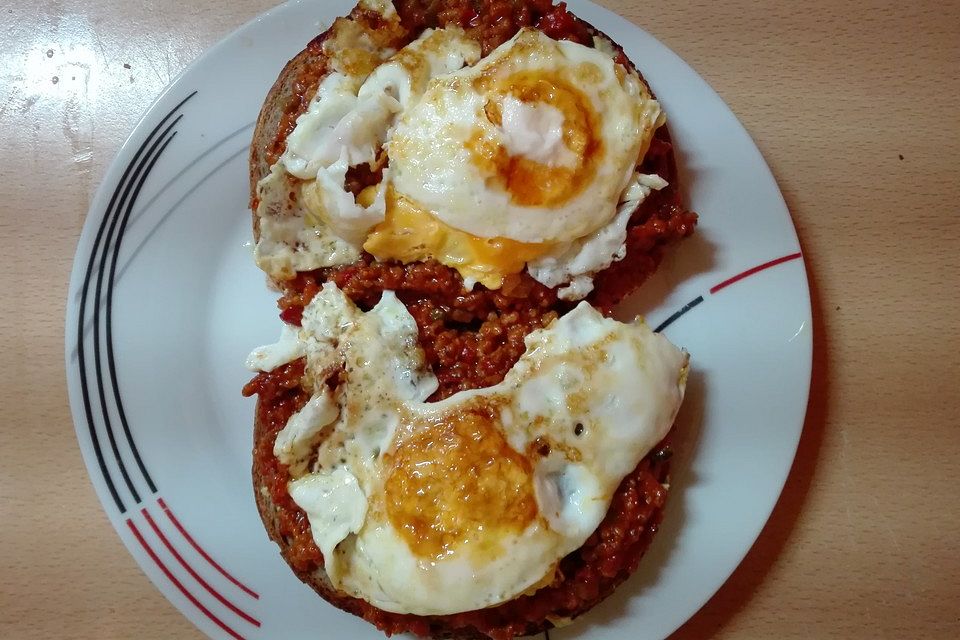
pixel 535 143
pixel 524 159
pixel 443 507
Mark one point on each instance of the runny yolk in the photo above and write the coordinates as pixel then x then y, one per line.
pixel 528 182
pixel 458 485
pixel 410 234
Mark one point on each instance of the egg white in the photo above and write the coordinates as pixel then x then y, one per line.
pixel 433 164
pixel 307 218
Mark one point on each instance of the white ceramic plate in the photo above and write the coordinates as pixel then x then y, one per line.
pixel 165 303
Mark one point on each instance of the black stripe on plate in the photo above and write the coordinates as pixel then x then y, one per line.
pixel 133 169
pixel 121 269
pixel 682 310
pixel 139 175
pixel 111 363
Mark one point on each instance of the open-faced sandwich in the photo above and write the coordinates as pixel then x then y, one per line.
pixel 452 436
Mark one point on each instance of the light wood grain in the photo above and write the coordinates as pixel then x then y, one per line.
pixel 855 109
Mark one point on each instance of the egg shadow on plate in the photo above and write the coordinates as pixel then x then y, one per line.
pixel 686 440
pixel 738 590
pixel 687 259
pixel 682 261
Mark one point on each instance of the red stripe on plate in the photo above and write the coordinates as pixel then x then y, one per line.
pixel 196 576
pixel 756 269
pixel 193 543
pixel 178 585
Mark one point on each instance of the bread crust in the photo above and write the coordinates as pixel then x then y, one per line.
pixel 273 111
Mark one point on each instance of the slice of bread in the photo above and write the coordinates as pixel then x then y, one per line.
pixel 625 533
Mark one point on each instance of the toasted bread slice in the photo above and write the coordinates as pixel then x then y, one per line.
pixel 286 100
pixel 630 535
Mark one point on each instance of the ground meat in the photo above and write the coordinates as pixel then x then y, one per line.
pixel 470 338
pixel 360 177
pixel 490 22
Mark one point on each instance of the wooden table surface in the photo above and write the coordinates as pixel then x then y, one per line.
pixel 856 110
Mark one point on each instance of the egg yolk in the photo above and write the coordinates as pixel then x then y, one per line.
pixel 459 483
pixel 410 234
pixel 528 182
